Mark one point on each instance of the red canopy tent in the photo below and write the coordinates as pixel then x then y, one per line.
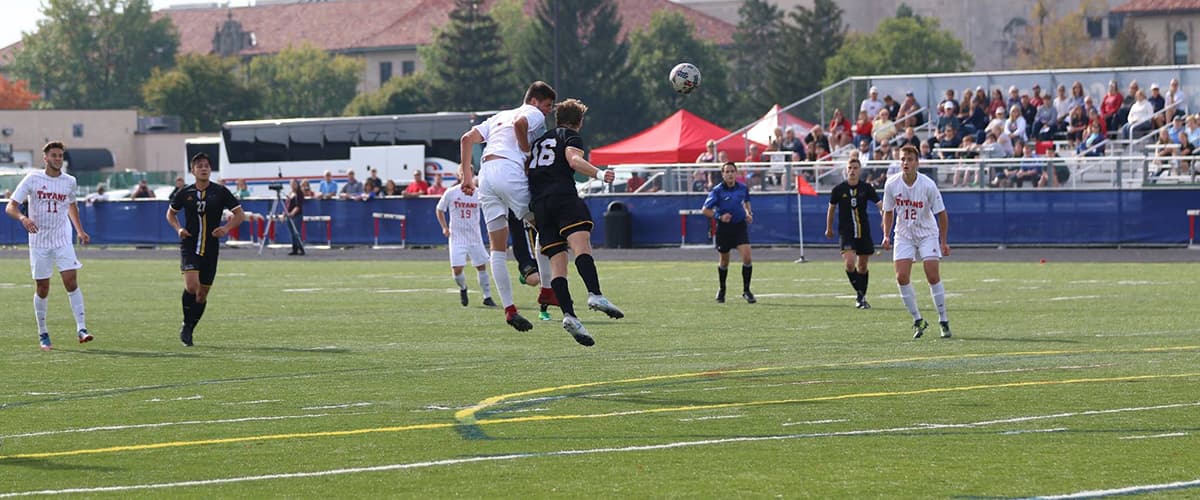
pixel 678 139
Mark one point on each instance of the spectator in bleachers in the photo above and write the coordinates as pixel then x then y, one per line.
pixel 1076 123
pixel 817 137
pixel 701 183
pixel 1158 102
pixel 373 185
pixel 892 106
pixel 636 181
pixel 946 139
pixel 1140 114
pixel 1166 151
pixel 1095 118
pixel 793 144
pixel 327 187
pixel 710 153
pixel 243 190
pixel 1033 169
pixel 871 104
pixel 1093 138
pixel 1035 96
pixel 776 143
pixel 911 109
pixel 1110 105
pixel 967 96
pixel 1177 130
pixel 418 186
pixel 949 98
pixel 1028 112
pixel 948 118
pixel 977 122
pixel 142 190
pixel 967 173
pixel 1077 94
pixel 1045 125
pixel 353 189
pixel 1089 104
pixel 839 129
pixel 1014 97
pixel 883 129
pixel 99 195
pixel 908 137
pixel 861 128
pixel 926 151
pixel 996 102
pixel 390 189
pixel 1004 140
pixel 1015 124
pixel 436 189
pixel 306 187
pixel 1062 105
pixel 999 116
pixel 1176 98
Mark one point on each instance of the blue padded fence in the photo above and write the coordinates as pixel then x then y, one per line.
pixel 993 217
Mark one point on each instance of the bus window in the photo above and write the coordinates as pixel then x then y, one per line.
pixel 376 134
pixel 338 140
pixel 271 143
pixel 239 144
pixel 306 143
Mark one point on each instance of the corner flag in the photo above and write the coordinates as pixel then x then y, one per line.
pixel 803 187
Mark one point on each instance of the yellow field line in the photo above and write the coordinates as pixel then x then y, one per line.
pixel 545 418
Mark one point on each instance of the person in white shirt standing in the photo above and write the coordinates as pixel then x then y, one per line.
pixel 912 201
pixel 51 214
pixel 503 185
pixel 465 240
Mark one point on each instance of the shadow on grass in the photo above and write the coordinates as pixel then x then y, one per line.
pixel 1016 339
pixel 50 465
pixel 305 350
pixel 131 354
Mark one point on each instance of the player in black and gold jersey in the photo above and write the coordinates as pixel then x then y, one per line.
pixel 563 220
pixel 850 199
pixel 202 204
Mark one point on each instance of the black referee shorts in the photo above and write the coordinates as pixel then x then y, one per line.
pixel 731 234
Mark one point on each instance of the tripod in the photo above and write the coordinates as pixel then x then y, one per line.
pixel 278 211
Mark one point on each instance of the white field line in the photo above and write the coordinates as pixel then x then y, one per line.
pixel 182 398
pixel 815 422
pixel 331 407
pixel 714 417
pixel 1034 431
pixel 258 402
pixel 169 424
pixel 1128 490
pixel 593 451
pixel 1154 436
pixel 1075 297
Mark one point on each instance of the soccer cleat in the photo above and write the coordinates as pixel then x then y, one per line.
pixel 515 320
pixel 863 304
pixel 462 297
pixel 85 337
pixel 749 297
pixel 599 303
pixel 721 296
pixel 546 297
pixel 185 334
pixel 945 329
pixel 919 327
pixel 572 325
pixel 44 341
pixel 487 301
pixel 544 316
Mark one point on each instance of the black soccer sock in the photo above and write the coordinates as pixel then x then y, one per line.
pixel 189 302
pixel 587 271
pixel 863 278
pixel 520 243
pixel 198 311
pixel 747 270
pixel 563 294
pixel 854 281
pixel 722 273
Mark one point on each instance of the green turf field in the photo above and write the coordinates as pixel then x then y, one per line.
pixel 368 379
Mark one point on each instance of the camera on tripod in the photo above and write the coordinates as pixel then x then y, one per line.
pixel 275 187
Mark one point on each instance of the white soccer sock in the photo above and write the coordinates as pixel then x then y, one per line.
pixel 39 312
pixel 500 274
pixel 461 280
pixel 939 299
pixel 910 300
pixel 485 285
pixel 543 266
pixel 76 299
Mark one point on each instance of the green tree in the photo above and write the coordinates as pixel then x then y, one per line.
pixel 807 42
pixel 95 54
pixel 515 35
pixel 755 41
pixel 474 79
pixel 1051 42
pixel 901 45
pixel 203 90
pixel 399 96
pixel 304 81
pixel 579 52
pixel 1131 48
pixel 668 40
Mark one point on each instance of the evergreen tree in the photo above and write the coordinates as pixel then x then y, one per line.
pixel 469 66
pixel 756 41
pixel 579 52
pixel 808 41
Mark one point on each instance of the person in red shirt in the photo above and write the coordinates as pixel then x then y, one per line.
pixel 418 186
pixel 1111 103
pixel 634 183
pixel 437 188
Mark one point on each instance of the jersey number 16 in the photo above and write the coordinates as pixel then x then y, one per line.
pixel 544 156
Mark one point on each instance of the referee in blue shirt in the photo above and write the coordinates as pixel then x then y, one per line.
pixel 729 205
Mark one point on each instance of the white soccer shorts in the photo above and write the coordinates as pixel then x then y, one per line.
pixel 43 260
pixel 503 187
pixel 459 253
pixel 907 249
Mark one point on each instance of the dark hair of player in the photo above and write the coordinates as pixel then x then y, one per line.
pixel 198 157
pixel 540 90
pixel 729 164
pixel 910 149
pixel 53 145
pixel 570 113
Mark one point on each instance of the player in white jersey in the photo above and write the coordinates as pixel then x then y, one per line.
pixel 465 241
pixel 503 185
pixel 913 202
pixel 50 197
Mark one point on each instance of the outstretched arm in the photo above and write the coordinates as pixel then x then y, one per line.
pixel 466 147
pixel 581 165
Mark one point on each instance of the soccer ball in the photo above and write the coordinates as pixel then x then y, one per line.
pixel 685 77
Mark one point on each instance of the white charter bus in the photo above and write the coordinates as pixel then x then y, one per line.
pixel 265 152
